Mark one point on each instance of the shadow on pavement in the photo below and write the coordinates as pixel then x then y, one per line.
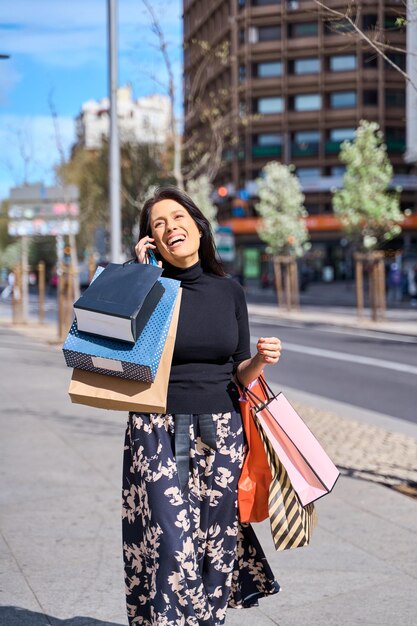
pixel 16 616
pixel 393 481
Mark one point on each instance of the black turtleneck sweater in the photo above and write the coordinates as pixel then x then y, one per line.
pixel 212 338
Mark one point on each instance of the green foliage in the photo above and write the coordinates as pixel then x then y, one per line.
pixel 5 238
pixel 369 213
pixel 141 167
pixel 200 190
pixel 11 255
pixel 281 206
pixel 42 249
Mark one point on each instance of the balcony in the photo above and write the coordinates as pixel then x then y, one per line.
pixel 304 150
pixel 262 152
pixel 396 145
pixel 333 147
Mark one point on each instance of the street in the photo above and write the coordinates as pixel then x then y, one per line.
pixel 368 369
pixel 61 472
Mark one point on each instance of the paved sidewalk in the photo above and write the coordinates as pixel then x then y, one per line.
pixel 60 503
pixel 396 321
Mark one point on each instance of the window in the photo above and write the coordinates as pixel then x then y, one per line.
pixel 343 99
pixel 369 21
pixel 307 173
pixel 303 29
pixel 267 69
pixel 341 134
pixel 269 105
pixel 370 97
pixel 268 139
pixel 337 170
pixel 306 102
pixel 264 33
pixel 267 145
pixel 396 57
pixel 342 25
pixel 262 3
pixel 390 22
pixel 241 35
pixel 342 63
pixel 305 143
pixel 370 60
pixel 242 72
pixel 305 66
pixel 336 136
pixel 395 139
pixel 312 208
pixel 395 98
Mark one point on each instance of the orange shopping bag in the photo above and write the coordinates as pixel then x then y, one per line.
pixel 255 478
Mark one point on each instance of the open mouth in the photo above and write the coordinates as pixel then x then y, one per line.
pixel 176 241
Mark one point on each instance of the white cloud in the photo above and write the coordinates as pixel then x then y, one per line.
pixel 28 148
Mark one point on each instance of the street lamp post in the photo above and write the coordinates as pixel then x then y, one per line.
pixel 114 150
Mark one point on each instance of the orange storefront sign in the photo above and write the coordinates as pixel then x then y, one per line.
pixel 315 223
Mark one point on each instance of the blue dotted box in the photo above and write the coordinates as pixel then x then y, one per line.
pixel 139 361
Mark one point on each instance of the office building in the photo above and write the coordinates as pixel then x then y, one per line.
pixel 296 84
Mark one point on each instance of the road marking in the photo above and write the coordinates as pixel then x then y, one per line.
pixel 348 358
pixel 372 334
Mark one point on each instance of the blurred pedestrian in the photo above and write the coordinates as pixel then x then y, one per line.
pixel 8 290
pixel 394 283
pixel 187 557
pixel 412 284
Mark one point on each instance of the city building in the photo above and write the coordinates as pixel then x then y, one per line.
pixel 296 84
pixel 145 120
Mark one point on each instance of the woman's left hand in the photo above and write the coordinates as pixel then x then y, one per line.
pixel 269 350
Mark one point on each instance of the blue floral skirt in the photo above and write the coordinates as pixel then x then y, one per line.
pixel 187 557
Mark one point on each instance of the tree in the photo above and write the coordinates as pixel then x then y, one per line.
pixel 369 213
pixel 283 228
pixel 141 167
pixel 281 206
pixel 200 190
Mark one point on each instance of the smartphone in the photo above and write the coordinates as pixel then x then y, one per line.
pixel 151 257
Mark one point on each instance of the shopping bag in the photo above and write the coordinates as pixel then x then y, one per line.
pixel 108 392
pixel 255 477
pixel 310 470
pixel 119 301
pixel 292 524
pixel 138 361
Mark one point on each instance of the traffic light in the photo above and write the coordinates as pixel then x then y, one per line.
pixel 67 255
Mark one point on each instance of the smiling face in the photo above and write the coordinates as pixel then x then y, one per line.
pixel 175 232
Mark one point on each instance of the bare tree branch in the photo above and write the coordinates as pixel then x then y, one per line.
pixel 377 46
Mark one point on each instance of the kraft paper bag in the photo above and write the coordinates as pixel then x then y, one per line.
pixel 118 394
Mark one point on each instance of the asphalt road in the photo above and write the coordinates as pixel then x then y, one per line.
pixel 371 370
pixel 368 369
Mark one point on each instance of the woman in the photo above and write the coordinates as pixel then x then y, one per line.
pixel 186 555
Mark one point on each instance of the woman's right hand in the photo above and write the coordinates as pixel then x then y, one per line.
pixel 142 247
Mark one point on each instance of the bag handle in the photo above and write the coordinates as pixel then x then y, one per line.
pixel 266 389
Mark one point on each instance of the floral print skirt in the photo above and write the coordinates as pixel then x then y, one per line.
pixel 186 556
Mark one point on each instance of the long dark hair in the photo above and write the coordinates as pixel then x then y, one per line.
pixel 207 250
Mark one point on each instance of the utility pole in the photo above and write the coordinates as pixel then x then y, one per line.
pixel 114 150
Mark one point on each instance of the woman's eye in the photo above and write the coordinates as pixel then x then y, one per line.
pixel 158 224
pixel 179 216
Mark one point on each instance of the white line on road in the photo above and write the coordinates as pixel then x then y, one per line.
pixel 349 358
pixel 372 334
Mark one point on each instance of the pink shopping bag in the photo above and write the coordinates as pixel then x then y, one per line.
pixel 310 470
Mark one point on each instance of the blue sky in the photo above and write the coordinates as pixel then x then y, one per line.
pixel 58 49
